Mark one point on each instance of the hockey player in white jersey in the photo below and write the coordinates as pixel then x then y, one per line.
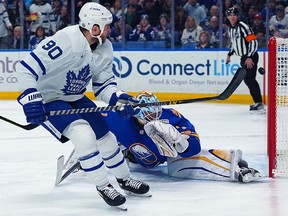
pixel 55 75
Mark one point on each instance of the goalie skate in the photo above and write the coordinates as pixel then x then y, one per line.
pixel 248 175
pixel 134 187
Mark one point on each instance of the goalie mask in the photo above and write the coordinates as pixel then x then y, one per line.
pixel 149 113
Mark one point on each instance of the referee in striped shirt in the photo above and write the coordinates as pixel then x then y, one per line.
pixel 244 44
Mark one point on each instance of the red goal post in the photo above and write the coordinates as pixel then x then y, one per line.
pixel 277 131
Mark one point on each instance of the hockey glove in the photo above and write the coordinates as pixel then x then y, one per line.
pixel 31 100
pixel 127 110
pixel 122 97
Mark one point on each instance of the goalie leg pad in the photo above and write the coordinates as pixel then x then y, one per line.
pixel 208 164
pixel 84 140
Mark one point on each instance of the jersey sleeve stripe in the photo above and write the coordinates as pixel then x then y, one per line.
pixel 30 69
pixel 106 81
pixel 103 87
pixel 39 62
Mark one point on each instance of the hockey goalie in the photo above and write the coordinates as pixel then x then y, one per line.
pixel 156 135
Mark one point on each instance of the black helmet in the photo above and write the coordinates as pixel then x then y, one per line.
pixel 231 10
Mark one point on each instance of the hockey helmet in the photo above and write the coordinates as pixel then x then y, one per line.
pixel 232 10
pixel 149 113
pixel 92 14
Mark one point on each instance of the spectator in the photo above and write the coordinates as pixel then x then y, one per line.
pixel 204 41
pixel 41 13
pixel 64 19
pixel 37 38
pixel 116 31
pixel 131 18
pixel 14 13
pixel 245 6
pixel 166 7
pixel 16 38
pixel 56 7
pixel 5 27
pixel 193 9
pixel 78 6
pixel 143 30
pixel 180 19
pixel 153 11
pixel 251 14
pixel 279 22
pixel 258 25
pixel 162 32
pixel 271 10
pixel 260 4
pixel 214 31
pixel 207 4
pixel 116 9
pixel 214 11
pixel 191 32
pixel 138 8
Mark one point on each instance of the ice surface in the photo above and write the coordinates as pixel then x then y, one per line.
pixel 28 168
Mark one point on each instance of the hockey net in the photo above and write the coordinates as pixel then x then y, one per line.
pixel 278 107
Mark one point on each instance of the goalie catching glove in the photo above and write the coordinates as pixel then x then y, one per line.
pixel 167 138
pixel 33 107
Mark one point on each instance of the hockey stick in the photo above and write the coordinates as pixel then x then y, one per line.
pixel 233 85
pixel 25 127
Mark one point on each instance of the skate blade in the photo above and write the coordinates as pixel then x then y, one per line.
pixel 121 207
pixel 257 112
pixel 139 195
pixel 247 178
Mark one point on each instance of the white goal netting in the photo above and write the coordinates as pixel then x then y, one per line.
pixel 281 108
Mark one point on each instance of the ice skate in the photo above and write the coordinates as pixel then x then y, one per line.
pixel 134 187
pixel 248 174
pixel 112 197
pixel 257 108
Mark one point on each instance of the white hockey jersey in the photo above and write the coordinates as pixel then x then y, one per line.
pixel 62 65
pixel 44 16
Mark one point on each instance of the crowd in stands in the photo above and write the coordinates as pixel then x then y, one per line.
pixel 196 23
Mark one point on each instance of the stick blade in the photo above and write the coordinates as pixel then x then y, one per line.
pixel 233 85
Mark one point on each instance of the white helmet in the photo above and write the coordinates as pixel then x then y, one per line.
pixel 149 113
pixel 92 14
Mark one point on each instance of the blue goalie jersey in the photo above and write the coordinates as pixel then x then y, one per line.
pixel 130 133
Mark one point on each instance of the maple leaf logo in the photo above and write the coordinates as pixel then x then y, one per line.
pixel 77 84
